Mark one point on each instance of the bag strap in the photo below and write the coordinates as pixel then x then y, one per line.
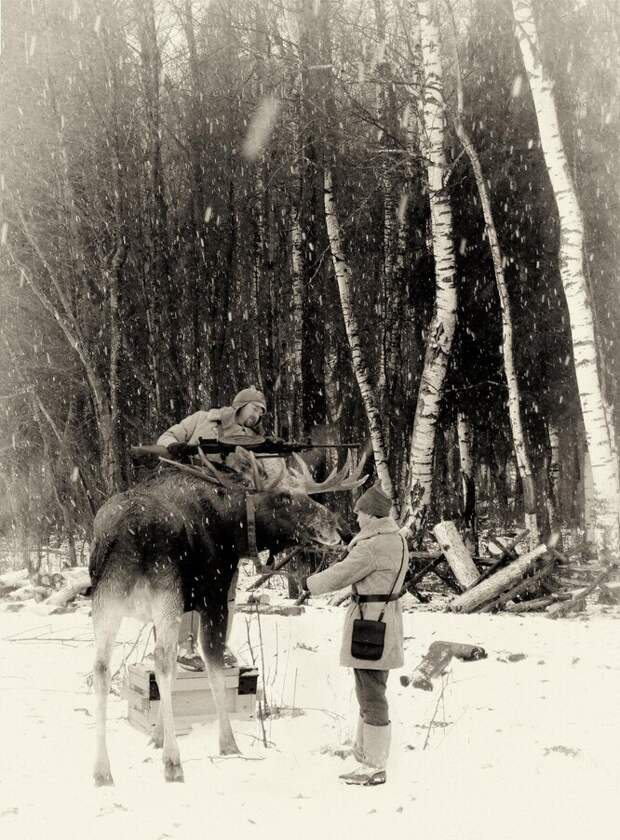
pixel 400 568
pixel 389 597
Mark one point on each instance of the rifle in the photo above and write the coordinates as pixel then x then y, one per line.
pixel 261 447
pixel 265 447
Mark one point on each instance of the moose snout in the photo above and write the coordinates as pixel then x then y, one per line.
pixel 344 530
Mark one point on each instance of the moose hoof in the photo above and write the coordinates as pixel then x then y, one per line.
pixel 229 749
pixel 173 771
pixel 103 779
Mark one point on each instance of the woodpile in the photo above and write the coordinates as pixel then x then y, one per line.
pixel 541 579
pixel 56 591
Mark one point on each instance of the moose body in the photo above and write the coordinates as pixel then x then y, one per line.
pixel 171 544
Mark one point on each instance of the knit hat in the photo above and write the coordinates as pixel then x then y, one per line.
pixel 374 502
pixel 249 395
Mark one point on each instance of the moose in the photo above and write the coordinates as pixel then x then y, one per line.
pixel 171 544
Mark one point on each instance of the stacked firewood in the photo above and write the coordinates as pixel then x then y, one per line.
pixel 540 579
pixel 57 590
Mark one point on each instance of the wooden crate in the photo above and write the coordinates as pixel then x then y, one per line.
pixel 192 701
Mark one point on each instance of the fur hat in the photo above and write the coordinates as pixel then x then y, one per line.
pixel 374 502
pixel 249 395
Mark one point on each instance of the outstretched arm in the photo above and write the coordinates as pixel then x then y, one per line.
pixel 359 563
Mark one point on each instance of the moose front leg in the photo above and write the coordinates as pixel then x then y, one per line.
pixel 212 638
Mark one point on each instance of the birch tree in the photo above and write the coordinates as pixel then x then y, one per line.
pixel 360 368
pixel 443 323
pixel 524 465
pixel 597 421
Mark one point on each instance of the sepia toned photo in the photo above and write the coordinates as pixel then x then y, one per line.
pixel 309 400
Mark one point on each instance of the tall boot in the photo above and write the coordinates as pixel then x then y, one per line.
pixel 376 748
pixel 188 656
pixel 377 741
pixel 358 744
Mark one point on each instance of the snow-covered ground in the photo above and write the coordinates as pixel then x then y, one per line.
pixel 521 746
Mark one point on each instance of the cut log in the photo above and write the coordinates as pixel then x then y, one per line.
pixel 78 584
pixel 455 552
pixel 437 659
pixel 502 580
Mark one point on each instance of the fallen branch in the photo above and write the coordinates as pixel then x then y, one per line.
pixel 506 556
pixel 536 604
pixel 271 572
pixel 525 585
pixel 561 609
pixel 269 609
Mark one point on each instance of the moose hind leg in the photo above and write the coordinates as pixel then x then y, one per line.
pixel 165 655
pixel 106 621
pixel 212 638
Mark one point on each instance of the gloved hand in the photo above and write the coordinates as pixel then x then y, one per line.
pixel 181 451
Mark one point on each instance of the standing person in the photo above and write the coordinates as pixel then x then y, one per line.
pixel 242 419
pixel 374 565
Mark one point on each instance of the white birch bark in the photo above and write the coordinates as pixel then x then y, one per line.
pixel 441 329
pixel 465 436
pixel 599 431
pixel 343 277
pixel 589 507
pixel 514 399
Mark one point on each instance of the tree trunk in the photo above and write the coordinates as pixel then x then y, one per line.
pixel 316 88
pixel 291 368
pixel 468 485
pixel 441 330
pixel 514 398
pixel 114 479
pixel 589 499
pixel 386 117
pixel 343 277
pixel 598 426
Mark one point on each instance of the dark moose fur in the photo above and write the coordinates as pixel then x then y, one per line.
pixel 171 544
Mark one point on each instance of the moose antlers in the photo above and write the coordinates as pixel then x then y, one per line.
pixel 348 478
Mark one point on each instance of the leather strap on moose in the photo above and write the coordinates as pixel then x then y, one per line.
pixel 250 511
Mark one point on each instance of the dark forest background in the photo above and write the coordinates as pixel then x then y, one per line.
pixel 159 157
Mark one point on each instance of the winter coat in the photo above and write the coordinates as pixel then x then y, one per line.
pixel 377 557
pixel 214 423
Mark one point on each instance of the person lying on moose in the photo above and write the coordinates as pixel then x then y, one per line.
pixel 240 421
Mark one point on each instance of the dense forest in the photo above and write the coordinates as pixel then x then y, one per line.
pixel 398 218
